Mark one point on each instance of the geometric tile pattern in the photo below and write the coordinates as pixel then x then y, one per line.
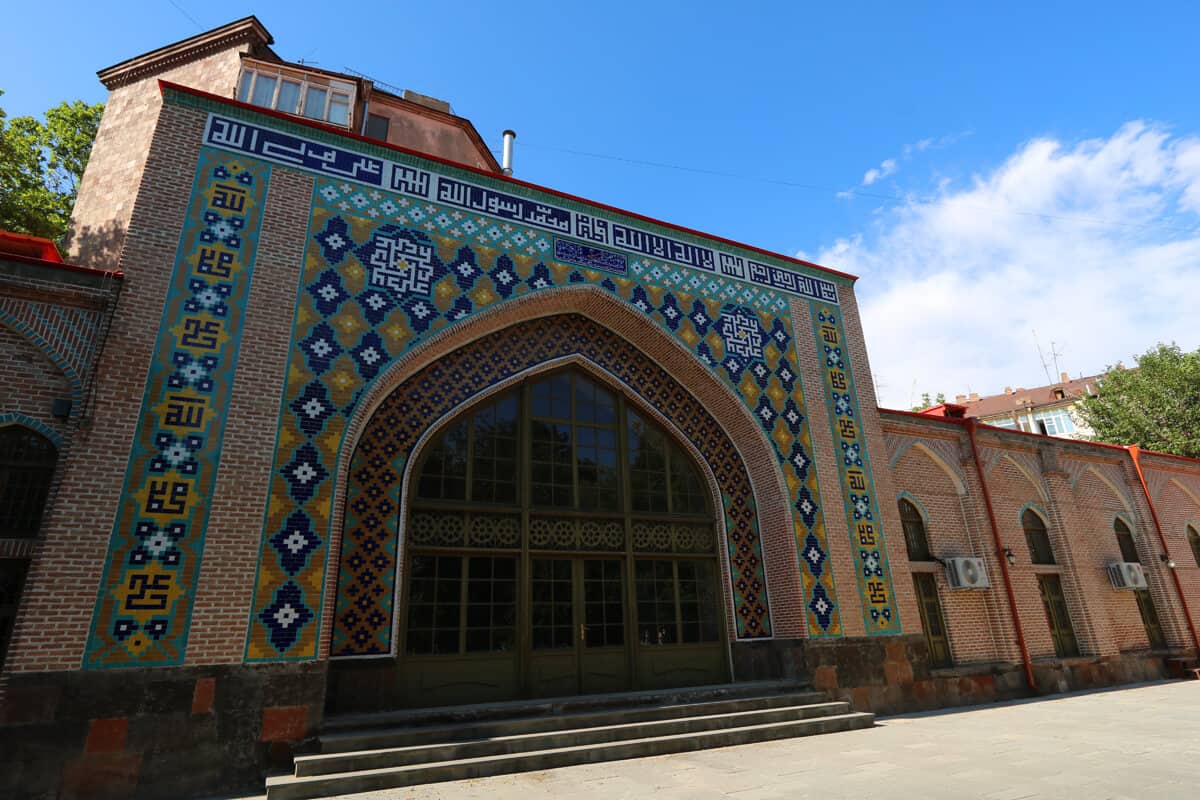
pixel 400 247
pixel 363 618
pixel 880 614
pixel 145 598
pixel 382 273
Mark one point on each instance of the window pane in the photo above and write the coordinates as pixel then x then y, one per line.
pixel 244 87
pixel 551 468
pixel 264 91
pixel 444 473
pixel 655 590
pixel 26 470
pixel 491 604
pixel 494 459
pixel 314 102
pixel 914 532
pixel 1194 541
pixel 339 109
pixel 1037 538
pixel 687 491
pixel 435 587
pixel 1125 542
pixel 647 465
pixel 552 609
pixel 552 397
pixel 697 601
pixel 377 127
pixel 289 97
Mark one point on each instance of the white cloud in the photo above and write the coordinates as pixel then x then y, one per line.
pixel 1095 244
pixel 879 173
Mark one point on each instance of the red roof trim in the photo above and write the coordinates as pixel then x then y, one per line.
pixel 1105 445
pixel 493 176
pixel 27 245
pixel 42 262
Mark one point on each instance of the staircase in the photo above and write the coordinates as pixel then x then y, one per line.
pixel 367 752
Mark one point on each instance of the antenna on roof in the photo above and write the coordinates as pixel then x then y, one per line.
pixel 1042 358
pixel 356 73
pixel 1054 354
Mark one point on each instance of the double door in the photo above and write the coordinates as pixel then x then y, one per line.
pixel 579 631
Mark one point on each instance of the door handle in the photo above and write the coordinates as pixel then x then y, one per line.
pixel 582 632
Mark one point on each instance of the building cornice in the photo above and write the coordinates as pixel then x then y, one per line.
pixel 247 29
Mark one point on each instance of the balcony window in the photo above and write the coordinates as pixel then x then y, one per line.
pixel 297 93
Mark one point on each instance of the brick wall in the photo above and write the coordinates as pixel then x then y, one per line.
pixel 30 382
pixel 1079 490
pixel 60 590
pixel 108 190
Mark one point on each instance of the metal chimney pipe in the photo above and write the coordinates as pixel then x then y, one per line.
pixel 506 164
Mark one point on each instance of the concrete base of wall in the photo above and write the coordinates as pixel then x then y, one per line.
pixel 892 675
pixel 183 732
pixel 172 732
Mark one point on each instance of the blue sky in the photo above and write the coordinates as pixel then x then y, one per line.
pixel 987 173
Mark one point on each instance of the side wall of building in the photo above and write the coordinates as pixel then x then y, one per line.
pixel 109 187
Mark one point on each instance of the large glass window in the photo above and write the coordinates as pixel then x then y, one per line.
pixel 26 469
pixel 1037 538
pixel 295 92
pixel 1194 541
pixel 1057 422
pixel 559 464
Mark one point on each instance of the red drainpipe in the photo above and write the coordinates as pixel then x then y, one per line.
pixel 1135 453
pixel 1008 587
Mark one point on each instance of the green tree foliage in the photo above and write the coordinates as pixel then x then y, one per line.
pixel 1156 405
pixel 927 402
pixel 41 163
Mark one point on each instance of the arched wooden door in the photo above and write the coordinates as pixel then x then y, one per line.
pixel 557 542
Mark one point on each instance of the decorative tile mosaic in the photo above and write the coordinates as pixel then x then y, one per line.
pixel 363 619
pixel 356 322
pixel 880 614
pixel 547 214
pixel 144 604
pixel 385 269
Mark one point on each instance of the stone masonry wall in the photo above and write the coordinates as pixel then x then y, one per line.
pixel 110 184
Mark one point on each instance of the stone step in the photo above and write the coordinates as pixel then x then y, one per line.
pixel 540 707
pixel 488 727
pixel 569 735
pixel 315 786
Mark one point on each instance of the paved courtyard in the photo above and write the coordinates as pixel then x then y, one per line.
pixel 1140 743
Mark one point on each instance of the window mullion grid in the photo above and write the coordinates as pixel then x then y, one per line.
pixel 463 596
pixel 678 603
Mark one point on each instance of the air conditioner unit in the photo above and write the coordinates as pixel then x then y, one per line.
pixel 1127 575
pixel 966 573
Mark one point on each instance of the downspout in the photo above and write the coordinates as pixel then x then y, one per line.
pixel 1000 556
pixel 1135 453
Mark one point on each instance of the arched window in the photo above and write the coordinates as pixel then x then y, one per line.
pixel 1194 540
pixel 914 532
pixel 557 516
pixel 26 468
pixel 1037 538
pixel 1125 541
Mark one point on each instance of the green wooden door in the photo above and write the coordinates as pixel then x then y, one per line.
pixel 1154 631
pixel 932 621
pixel 604 646
pixel 1055 605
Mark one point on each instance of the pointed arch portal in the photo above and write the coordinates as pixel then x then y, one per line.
pixel 517 527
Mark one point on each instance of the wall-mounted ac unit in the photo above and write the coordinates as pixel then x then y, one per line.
pixel 1127 575
pixel 966 573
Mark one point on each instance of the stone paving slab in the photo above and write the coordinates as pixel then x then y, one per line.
pixel 1133 743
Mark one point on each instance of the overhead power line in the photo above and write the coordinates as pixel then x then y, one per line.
pixel 889 198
